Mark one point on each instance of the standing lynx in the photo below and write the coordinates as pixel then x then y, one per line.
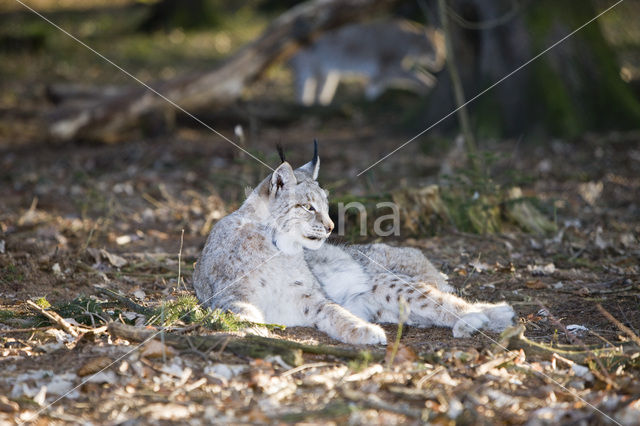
pixel 268 262
pixel 384 53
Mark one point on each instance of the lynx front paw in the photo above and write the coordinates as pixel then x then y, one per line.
pixel 469 324
pixel 368 334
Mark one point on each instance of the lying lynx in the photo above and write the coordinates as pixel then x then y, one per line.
pixel 385 53
pixel 268 262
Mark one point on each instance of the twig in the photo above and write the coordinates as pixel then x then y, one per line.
pixel 135 307
pixel 575 340
pixel 180 258
pixel 513 338
pixel 426 378
pixel 306 366
pixel 55 318
pixel 503 358
pixel 331 410
pixel 618 324
pixel 25 330
pixel 375 402
pixel 585 291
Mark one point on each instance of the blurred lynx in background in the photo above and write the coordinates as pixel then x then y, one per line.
pixel 390 53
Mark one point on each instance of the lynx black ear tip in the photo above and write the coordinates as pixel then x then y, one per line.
pixel 280 152
pixel 315 152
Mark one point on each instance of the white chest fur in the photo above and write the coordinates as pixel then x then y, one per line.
pixel 342 277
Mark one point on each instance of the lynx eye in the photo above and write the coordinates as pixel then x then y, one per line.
pixel 308 207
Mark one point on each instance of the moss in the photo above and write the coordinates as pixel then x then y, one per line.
pixel 43 303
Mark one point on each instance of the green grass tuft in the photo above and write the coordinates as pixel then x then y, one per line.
pixel 43 303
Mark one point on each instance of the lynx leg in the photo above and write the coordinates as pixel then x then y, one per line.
pixel 430 305
pixel 328 87
pixel 341 324
pixel 427 306
pixel 308 92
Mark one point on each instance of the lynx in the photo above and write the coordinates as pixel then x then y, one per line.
pixel 385 53
pixel 268 262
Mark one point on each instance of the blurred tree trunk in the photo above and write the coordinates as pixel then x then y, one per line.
pixel 106 118
pixel 187 14
pixel 574 87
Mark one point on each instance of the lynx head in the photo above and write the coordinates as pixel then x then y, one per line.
pixel 297 206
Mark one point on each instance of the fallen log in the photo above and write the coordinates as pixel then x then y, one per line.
pixel 106 118
pixel 249 345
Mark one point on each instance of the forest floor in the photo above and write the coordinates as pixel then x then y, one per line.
pixel 79 218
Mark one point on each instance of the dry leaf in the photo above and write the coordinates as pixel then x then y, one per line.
pixel 94 365
pixel 533 318
pixel 257 416
pixel 114 259
pixel 8 406
pixel 404 354
pixel 156 349
pixel 535 284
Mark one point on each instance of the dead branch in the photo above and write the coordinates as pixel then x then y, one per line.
pixel 514 339
pixel 54 318
pixel 620 325
pixel 107 117
pixel 251 346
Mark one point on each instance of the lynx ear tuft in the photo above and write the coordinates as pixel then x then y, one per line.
pixel 316 158
pixel 282 177
pixel 280 152
pixel 312 168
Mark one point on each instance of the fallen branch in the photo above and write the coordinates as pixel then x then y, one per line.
pixel 620 325
pixel 54 318
pixel 513 339
pixel 250 345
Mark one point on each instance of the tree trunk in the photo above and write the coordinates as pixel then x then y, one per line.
pixel 574 87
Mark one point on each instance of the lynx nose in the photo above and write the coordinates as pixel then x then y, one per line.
pixel 329 226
